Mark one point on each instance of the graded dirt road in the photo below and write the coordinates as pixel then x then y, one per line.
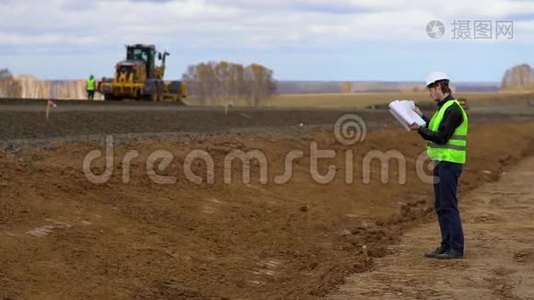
pixel 23 122
pixel 499 259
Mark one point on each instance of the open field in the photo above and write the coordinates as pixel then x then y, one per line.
pixel 23 122
pixel 63 236
pixel 363 100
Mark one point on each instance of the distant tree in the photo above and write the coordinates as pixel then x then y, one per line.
pixel 261 83
pixel 5 73
pixel 226 82
pixel 9 87
pixel 201 81
pixel 346 87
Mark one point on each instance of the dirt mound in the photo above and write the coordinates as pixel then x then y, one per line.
pixel 62 236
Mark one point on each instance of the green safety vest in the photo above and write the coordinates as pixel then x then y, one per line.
pixel 455 149
pixel 91 84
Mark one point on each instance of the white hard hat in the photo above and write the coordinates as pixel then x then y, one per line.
pixel 435 76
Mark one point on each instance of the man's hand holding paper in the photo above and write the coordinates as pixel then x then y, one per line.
pixel 407 114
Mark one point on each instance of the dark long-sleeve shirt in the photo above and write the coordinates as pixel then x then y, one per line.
pixel 452 118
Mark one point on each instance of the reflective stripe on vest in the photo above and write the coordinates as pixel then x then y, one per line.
pixel 91 84
pixel 455 150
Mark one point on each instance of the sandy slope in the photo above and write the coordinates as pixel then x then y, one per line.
pixel 499 262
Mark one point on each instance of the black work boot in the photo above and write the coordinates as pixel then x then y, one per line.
pixel 434 253
pixel 451 254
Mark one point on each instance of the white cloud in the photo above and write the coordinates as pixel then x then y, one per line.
pixel 235 22
pixel 103 26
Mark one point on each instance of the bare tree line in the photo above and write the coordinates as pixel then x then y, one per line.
pixel 229 83
pixel 9 87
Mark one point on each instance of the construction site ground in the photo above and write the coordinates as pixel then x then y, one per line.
pixel 499 259
pixel 65 237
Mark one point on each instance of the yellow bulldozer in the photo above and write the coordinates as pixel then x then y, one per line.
pixel 138 77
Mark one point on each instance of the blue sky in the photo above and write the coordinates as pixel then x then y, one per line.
pixel 298 40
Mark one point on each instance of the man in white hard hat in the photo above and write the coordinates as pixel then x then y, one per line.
pixel 446 132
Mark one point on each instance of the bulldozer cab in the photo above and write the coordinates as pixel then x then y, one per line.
pixel 144 53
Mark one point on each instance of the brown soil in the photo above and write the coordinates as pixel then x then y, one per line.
pixel 62 236
pixel 24 123
pixel 499 257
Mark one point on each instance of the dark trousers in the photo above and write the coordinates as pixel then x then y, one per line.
pixel 446 175
pixel 90 95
